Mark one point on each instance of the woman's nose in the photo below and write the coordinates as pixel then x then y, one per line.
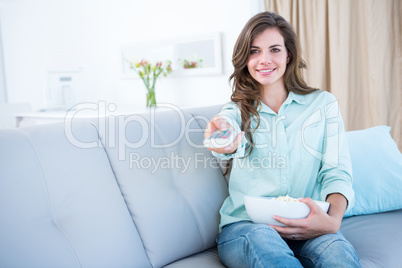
pixel 265 58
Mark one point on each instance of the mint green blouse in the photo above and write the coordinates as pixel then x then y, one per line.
pixel 300 152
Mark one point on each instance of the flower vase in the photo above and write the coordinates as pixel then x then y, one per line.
pixel 151 100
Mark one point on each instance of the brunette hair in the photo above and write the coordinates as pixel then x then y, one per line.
pixel 246 90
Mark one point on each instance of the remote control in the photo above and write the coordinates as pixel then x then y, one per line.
pixel 220 139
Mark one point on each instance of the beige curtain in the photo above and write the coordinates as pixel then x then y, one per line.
pixel 353 48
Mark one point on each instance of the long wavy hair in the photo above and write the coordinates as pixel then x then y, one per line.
pixel 246 90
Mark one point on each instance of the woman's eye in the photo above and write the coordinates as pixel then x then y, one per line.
pixel 253 51
pixel 275 50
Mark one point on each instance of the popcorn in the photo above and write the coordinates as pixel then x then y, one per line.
pixel 286 198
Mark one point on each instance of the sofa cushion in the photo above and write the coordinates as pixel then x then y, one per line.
pixel 376 238
pixel 170 182
pixel 377 171
pixel 208 258
pixel 60 205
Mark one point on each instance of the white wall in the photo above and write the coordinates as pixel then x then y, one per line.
pixel 87 35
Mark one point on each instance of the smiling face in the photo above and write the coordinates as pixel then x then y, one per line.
pixel 268 59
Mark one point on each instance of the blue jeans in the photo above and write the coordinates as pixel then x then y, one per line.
pixel 245 244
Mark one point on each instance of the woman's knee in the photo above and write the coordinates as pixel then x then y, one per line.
pixel 247 230
pixel 331 250
pixel 341 253
pixel 253 245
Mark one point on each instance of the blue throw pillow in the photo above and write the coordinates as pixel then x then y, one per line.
pixel 377 171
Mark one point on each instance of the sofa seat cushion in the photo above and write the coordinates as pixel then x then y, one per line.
pixel 376 238
pixel 208 258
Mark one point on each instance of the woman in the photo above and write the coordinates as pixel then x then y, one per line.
pixel 291 141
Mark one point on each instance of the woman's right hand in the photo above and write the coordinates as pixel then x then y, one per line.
pixel 218 123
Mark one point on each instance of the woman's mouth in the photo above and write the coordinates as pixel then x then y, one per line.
pixel 266 71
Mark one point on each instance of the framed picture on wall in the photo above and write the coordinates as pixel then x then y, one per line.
pixel 191 55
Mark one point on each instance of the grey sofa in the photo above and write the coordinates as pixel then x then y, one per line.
pixel 134 191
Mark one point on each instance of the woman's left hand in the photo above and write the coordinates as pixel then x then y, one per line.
pixel 316 224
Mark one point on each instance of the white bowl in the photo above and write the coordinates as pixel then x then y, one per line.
pixel 261 209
